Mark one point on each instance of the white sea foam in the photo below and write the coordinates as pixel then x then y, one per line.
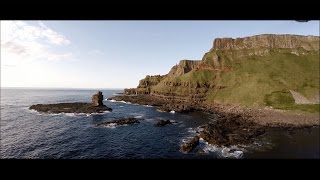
pixel 147 106
pixel 173 121
pixel 172 112
pixel 149 119
pixel 139 116
pixel 221 152
pixel 34 111
pixel 104 112
pixel 112 100
pixel 160 110
pixel 111 125
pixel 70 114
pixel 67 114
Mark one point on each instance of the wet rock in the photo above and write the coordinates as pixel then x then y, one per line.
pixel 70 108
pixel 161 123
pixel 190 145
pixel 118 122
pixel 231 130
pixel 76 107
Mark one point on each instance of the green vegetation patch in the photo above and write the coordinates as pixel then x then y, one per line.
pixel 284 100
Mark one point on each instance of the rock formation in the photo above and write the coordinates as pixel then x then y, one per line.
pixel 119 122
pixel 268 41
pixel 190 145
pixel 183 67
pixel 75 107
pixel 97 99
pixel 230 130
pixel 161 123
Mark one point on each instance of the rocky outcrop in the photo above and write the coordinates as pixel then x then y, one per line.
pixel 119 122
pixel 162 122
pixel 190 145
pixel 70 108
pixel 77 107
pixel 149 81
pixel 231 130
pixel 145 85
pixel 130 91
pixel 97 99
pixel 183 67
pixel 267 41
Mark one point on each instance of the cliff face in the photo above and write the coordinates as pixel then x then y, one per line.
pixel 149 81
pixel 268 41
pixel 145 85
pixel 242 71
pixel 183 67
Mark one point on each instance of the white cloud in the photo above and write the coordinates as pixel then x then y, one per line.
pixel 22 43
pixel 21 31
pixel 26 51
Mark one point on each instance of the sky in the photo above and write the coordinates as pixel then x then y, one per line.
pixel 115 54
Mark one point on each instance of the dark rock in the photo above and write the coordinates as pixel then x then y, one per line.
pixel 77 107
pixel 161 123
pixel 231 130
pixel 70 108
pixel 177 107
pixel 97 99
pixel 190 145
pixel 119 122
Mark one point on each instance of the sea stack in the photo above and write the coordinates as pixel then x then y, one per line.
pixel 97 99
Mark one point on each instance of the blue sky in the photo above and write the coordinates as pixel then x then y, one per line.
pixel 114 54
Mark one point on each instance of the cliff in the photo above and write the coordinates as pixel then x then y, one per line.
pixel 183 67
pixel 252 71
pixel 268 41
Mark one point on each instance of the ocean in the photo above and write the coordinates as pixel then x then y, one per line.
pixel 27 134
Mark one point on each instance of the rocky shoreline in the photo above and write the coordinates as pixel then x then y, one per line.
pixel 234 125
pixel 262 116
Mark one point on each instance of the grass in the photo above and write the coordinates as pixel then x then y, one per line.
pixel 257 76
pixel 284 100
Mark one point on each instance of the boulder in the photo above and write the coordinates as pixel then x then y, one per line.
pixel 190 145
pixel 161 123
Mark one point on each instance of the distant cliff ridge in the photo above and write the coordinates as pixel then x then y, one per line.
pixel 268 41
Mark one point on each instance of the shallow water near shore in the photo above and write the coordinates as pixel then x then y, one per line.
pixel 29 134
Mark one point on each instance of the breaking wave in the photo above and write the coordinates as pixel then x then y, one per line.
pixel 222 152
